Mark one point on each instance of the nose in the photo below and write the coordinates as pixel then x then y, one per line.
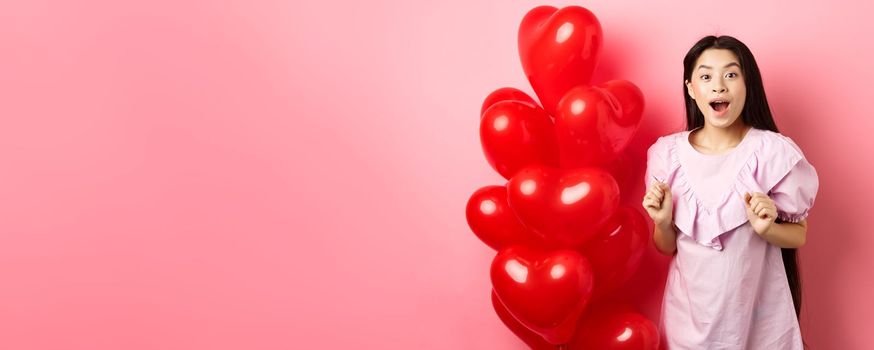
pixel 718 86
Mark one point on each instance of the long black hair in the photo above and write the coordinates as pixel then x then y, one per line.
pixel 755 113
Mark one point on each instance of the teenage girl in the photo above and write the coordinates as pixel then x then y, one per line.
pixel 729 197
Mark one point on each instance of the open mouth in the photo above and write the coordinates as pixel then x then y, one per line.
pixel 719 106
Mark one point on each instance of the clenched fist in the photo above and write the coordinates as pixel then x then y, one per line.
pixel 658 204
pixel 761 211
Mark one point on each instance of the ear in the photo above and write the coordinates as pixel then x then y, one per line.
pixel 689 89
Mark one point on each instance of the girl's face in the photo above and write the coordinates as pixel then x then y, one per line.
pixel 717 86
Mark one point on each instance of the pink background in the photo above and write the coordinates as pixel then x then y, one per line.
pixel 288 175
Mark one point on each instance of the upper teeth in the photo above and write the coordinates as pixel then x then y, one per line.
pixel 718 101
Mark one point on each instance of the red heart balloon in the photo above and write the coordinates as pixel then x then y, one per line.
pixel 516 134
pixel 533 340
pixel 595 124
pixel 631 101
pixel 581 127
pixel 505 94
pixel 491 219
pixel 599 327
pixel 616 251
pixel 566 206
pixel 620 329
pixel 545 291
pixel 559 50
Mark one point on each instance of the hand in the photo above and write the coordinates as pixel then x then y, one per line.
pixel 659 204
pixel 761 211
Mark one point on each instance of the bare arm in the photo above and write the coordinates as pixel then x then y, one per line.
pixel 787 234
pixel 665 239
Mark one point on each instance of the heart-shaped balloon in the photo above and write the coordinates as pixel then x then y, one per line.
pixel 591 126
pixel 515 134
pixel 505 94
pixel 615 328
pixel 630 100
pixel 491 219
pixel 606 326
pixel 544 290
pixel 559 50
pixel 616 251
pixel 533 340
pixel 566 206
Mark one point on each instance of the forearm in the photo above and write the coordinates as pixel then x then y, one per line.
pixel 787 234
pixel 665 238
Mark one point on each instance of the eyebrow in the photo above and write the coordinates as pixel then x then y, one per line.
pixel 726 66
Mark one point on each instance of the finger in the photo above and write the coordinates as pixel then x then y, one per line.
pixel 758 206
pixel 763 197
pixel 656 195
pixel 765 207
pixel 760 212
pixel 667 192
pixel 650 191
pixel 656 203
pixel 649 203
pixel 766 213
pixel 747 198
pixel 761 202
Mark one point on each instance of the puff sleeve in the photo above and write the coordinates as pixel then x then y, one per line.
pixel 796 192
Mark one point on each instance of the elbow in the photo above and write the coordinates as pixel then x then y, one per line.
pixel 803 236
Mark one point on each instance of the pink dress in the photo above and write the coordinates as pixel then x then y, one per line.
pixel 726 286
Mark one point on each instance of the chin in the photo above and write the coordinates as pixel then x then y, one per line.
pixel 722 122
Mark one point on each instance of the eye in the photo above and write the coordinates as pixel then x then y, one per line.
pixel 731 75
pixel 705 76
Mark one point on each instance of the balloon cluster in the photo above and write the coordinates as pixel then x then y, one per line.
pixel 564 241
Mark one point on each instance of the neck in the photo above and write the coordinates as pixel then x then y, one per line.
pixel 720 139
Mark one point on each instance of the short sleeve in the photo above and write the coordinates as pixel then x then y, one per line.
pixel 795 193
pixel 657 162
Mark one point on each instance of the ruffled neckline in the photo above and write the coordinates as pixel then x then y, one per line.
pixel 703 223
